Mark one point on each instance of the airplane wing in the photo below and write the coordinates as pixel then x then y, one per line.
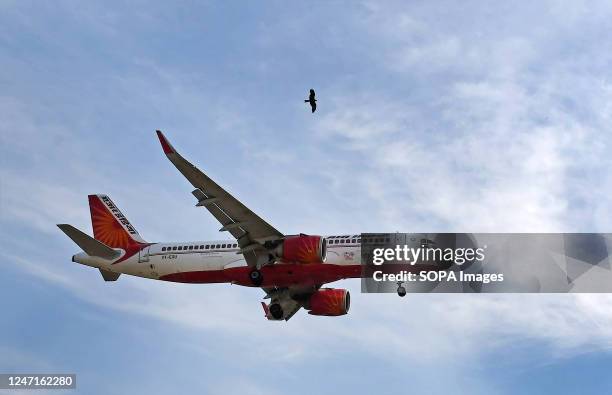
pixel 247 227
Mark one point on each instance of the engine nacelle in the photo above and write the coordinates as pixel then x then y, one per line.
pixel 330 302
pixel 302 249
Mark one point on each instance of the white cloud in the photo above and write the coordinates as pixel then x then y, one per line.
pixel 501 143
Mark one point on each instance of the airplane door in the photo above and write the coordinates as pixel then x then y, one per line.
pixel 143 254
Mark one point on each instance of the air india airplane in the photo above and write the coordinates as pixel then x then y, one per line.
pixel 291 269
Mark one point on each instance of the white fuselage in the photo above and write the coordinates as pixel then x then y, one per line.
pixel 163 259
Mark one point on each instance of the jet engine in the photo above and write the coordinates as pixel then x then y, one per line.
pixel 302 248
pixel 330 302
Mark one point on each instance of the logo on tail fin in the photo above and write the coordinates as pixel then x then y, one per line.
pixel 110 226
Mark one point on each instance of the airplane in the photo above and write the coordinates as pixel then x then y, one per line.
pixel 291 269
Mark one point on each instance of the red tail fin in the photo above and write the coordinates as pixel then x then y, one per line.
pixel 110 226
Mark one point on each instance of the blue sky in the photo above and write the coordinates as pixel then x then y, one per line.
pixel 432 116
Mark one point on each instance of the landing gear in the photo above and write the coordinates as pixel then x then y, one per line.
pixel 256 277
pixel 276 311
pixel 401 291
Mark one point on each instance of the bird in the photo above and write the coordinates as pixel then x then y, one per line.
pixel 312 100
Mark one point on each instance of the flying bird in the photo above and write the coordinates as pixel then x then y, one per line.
pixel 312 100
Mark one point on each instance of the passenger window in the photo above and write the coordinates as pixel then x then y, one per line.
pixel 201 247
pixel 218 246
pixel 174 248
pixel 180 248
pixel 235 245
pixel 354 241
pixel 163 248
pixel 191 247
pixel 207 247
pixel 223 245
pixel 342 241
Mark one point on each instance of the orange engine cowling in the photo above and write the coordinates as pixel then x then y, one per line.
pixel 302 249
pixel 329 301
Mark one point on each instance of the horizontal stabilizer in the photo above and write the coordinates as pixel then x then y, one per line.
pixel 109 276
pixel 88 244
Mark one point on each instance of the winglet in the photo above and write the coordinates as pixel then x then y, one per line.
pixel 168 148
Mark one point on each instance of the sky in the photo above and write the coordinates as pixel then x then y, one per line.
pixel 432 117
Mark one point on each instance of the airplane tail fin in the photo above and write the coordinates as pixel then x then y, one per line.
pixel 110 226
pixel 88 244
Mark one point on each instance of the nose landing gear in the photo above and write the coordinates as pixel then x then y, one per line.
pixel 401 291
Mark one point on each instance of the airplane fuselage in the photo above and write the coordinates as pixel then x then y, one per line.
pixel 221 262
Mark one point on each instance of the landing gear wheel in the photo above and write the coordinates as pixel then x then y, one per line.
pixel 401 291
pixel 256 277
pixel 276 311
